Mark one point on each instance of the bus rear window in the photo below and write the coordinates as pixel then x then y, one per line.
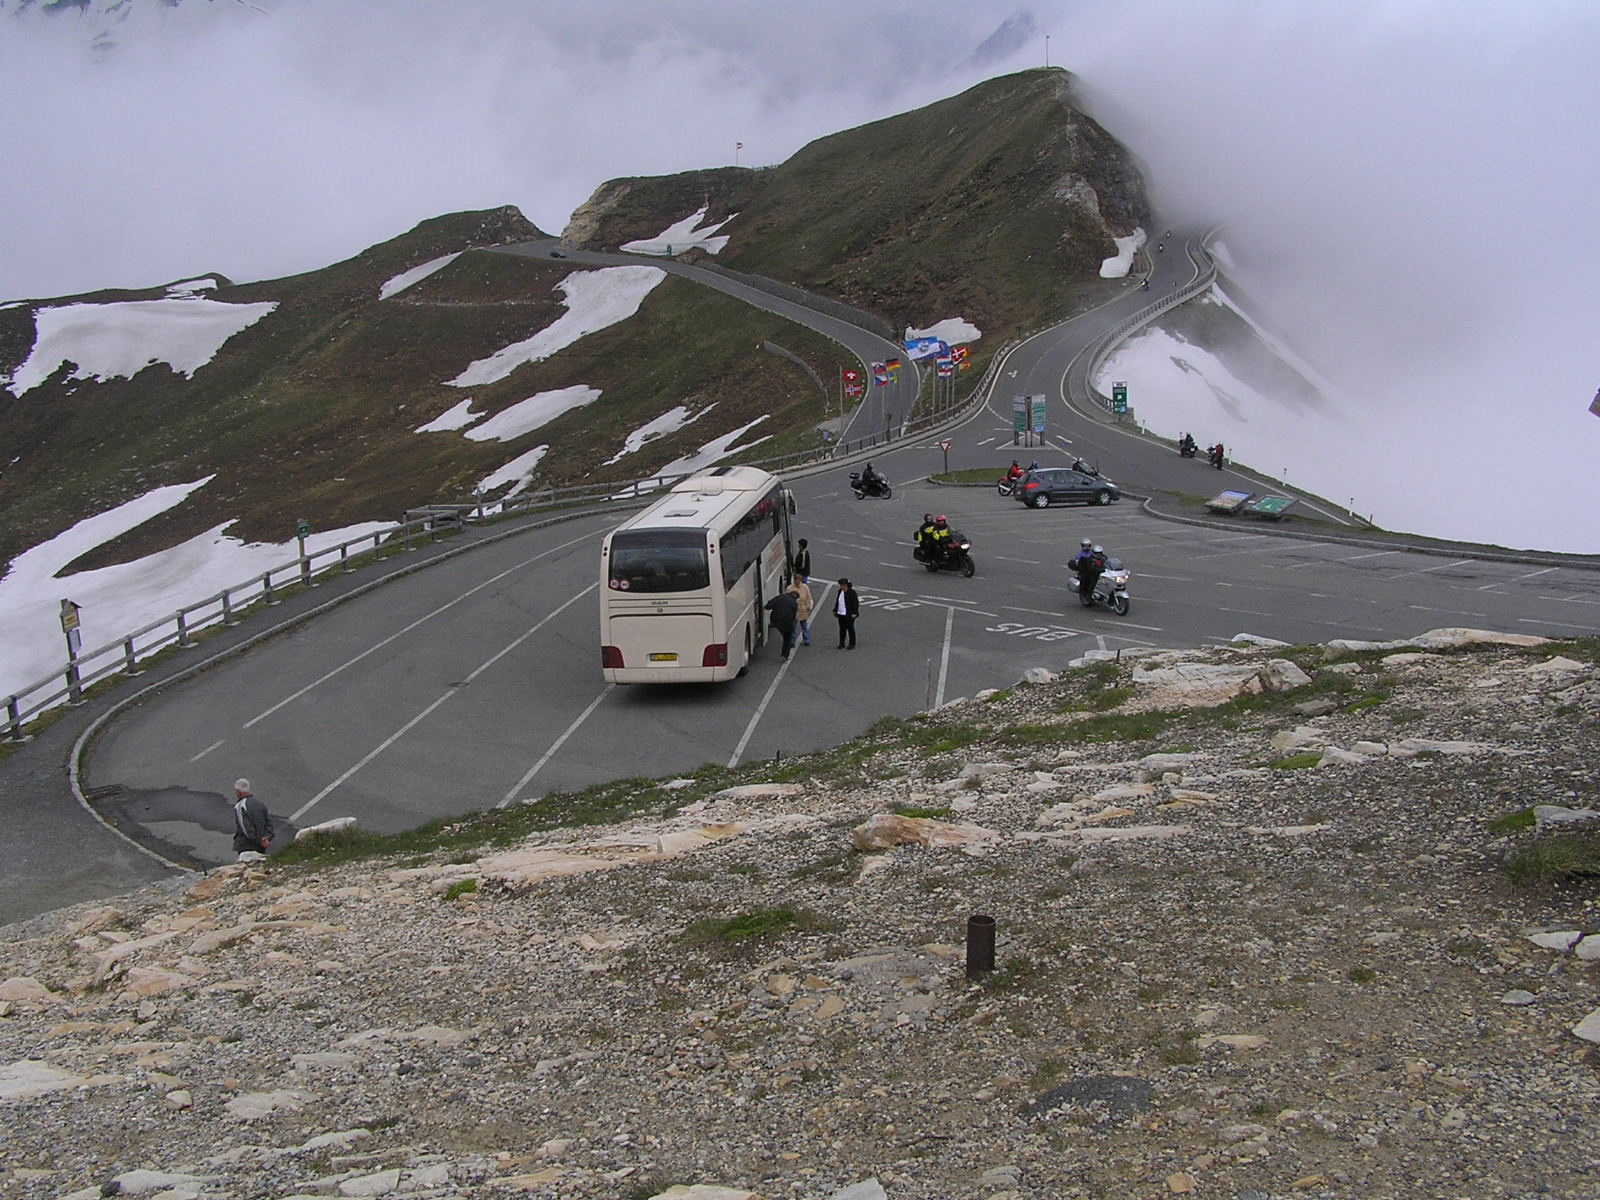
pixel 659 560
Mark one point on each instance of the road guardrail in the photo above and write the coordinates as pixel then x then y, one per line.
pixel 129 654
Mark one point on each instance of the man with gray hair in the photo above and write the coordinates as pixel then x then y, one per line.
pixel 252 824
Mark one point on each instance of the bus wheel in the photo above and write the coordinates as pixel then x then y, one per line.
pixel 745 665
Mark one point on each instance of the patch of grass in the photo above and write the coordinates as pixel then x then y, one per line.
pixel 1119 727
pixel 1178 1050
pixel 913 810
pixel 1554 860
pixel 689 875
pixel 986 475
pixel 1297 762
pixel 1578 649
pixel 1514 822
pixel 1098 687
pixel 1045 1074
pixel 1103 700
pixel 1015 972
pixel 1032 734
pixel 1369 701
pixel 760 925
pixel 461 887
pixel 1361 975
pixel 832 868
pixel 454 837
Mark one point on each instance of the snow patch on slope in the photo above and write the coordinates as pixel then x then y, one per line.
pixel 118 340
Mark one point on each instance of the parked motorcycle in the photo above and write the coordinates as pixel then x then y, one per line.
pixel 1007 484
pixel 877 486
pixel 1079 465
pixel 957 555
pixel 1111 589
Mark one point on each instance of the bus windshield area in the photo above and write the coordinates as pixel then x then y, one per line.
pixel 659 560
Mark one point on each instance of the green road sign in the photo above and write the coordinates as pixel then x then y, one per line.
pixel 302 529
pixel 1119 398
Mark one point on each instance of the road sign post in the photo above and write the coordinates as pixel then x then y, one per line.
pixel 1119 399
pixel 70 626
pixel 301 530
pixel 945 446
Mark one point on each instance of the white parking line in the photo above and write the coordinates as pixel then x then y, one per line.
pixel 1460 562
pixel 425 713
pixel 399 633
pixel 556 745
pixel 207 750
pixel 944 656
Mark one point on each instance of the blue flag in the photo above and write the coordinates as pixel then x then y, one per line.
pixel 924 347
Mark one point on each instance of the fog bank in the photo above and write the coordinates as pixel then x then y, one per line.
pixel 1403 185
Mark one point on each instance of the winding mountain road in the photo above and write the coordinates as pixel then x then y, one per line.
pixel 477 683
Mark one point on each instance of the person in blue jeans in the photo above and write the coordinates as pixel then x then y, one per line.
pixel 804 603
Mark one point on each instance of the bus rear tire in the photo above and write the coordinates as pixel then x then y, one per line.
pixel 744 667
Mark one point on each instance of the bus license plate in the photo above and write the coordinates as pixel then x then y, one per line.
pixel 663 658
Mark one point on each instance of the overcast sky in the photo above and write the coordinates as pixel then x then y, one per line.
pixel 1407 186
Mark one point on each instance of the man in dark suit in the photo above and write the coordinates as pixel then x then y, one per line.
pixel 847 608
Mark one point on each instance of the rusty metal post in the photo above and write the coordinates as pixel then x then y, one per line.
pixel 980 944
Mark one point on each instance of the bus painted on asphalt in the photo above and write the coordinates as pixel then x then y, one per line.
pixel 683 584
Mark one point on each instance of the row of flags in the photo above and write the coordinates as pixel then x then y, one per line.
pixel 947 361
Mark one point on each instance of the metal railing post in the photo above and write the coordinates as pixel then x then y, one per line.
pixel 14 720
pixel 130 659
pixel 227 608
pixel 183 629
pixel 266 589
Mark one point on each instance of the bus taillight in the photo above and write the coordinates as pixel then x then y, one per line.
pixel 610 656
pixel 716 655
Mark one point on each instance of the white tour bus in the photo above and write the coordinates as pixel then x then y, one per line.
pixel 683 584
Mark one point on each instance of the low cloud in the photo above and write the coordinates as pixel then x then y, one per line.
pixel 1406 186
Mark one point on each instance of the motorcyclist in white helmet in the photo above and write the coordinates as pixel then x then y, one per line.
pixel 1089 564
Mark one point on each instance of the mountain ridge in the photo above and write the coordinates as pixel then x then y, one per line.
pixel 308 413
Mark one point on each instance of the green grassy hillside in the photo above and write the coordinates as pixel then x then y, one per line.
pixel 997 205
pixel 311 411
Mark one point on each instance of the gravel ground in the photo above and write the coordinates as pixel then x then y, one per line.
pixel 1243 950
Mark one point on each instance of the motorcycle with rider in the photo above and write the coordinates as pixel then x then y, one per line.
pixel 1099 578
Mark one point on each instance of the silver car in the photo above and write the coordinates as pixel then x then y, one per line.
pixel 1044 486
